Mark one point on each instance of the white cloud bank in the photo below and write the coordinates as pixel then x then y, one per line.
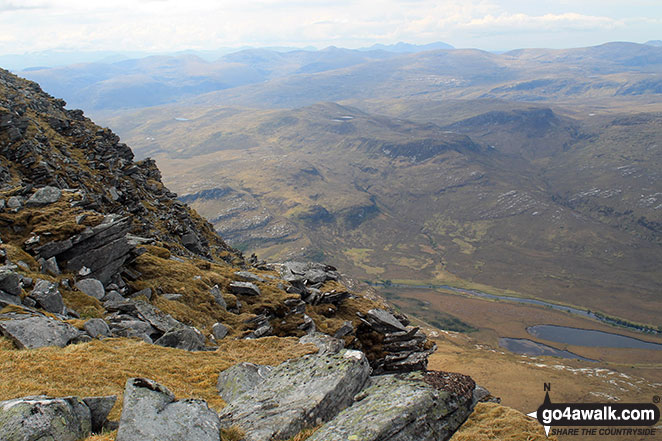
pixel 167 25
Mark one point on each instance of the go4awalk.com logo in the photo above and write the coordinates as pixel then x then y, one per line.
pixel 597 419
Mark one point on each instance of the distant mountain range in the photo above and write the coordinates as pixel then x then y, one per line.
pixel 272 78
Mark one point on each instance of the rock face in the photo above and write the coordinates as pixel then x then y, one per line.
pixel 32 330
pixel 297 394
pixel 241 378
pixel 413 407
pixel 102 249
pixel 150 413
pixel 43 418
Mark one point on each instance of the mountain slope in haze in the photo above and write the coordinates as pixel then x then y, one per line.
pixel 494 207
pixel 624 70
pixel 154 80
pixel 269 78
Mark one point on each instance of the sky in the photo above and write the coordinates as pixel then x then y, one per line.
pixel 28 26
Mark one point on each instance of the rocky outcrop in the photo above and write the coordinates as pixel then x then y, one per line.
pixel 414 407
pixel 102 249
pixel 241 378
pixel 30 329
pixel 402 348
pixel 140 319
pixel 297 394
pixel 151 413
pixel 44 418
pixel 65 419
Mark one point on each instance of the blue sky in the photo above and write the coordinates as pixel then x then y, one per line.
pixel 170 25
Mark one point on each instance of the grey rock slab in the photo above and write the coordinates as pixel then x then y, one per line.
pixel 99 407
pixel 155 317
pixel 7 299
pixel 10 282
pixel 96 328
pixel 218 297
pixel 50 266
pixel 91 287
pixel 245 288
pixel 41 418
pixel 247 275
pixel 240 379
pixel 299 393
pixel 147 293
pixel 44 196
pixel 383 321
pixel 413 407
pixel 325 343
pixel 150 413
pixel 36 331
pixel 47 296
pixel 182 337
pixel 219 331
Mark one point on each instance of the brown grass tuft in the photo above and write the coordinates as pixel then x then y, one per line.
pixel 102 367
pixel 491 421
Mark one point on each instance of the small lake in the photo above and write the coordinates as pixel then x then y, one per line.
pixel 589 337
pixel 530 347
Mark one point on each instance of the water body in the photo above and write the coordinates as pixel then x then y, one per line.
pixel 589 337
pixel 530 347
pixel 484 295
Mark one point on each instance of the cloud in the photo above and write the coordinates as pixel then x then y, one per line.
pixel 11 5
pixel 168 25
pixel 547 22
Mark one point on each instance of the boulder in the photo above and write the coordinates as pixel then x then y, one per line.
pixel 240 379
pixel 32 331
pixel 10 282
pixel 155 317
pixel 91 287
pixel 147 293
pixel 245 288
pixel 99 407
pixel 325 343
pixel 219 331
pixel 218 297
pixel 414 407
pixel 49 266
pixel 14 202
pixel 44 418
pixel 182 337
pixel 96 328
pixel 44 196
pixel 48 297
pixel 150 413
pixel 299 393
pixel 247 275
